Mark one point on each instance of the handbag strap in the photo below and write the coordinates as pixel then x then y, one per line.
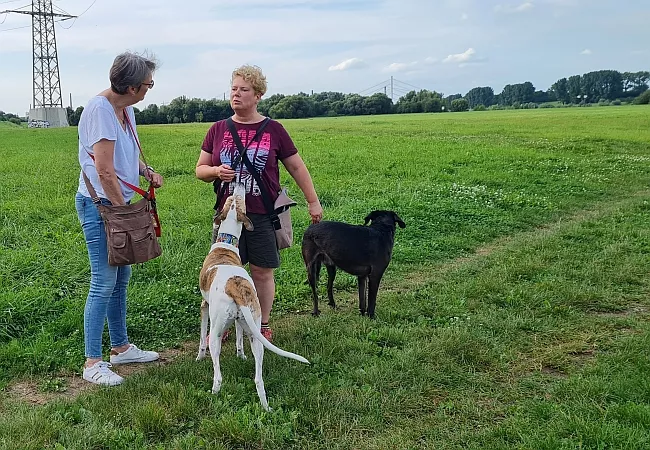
pixel 93 194
pixel 220 188
pixel 152 192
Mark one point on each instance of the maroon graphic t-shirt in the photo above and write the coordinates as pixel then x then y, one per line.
pixel 274 145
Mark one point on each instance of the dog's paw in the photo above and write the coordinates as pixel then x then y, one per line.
pixel 216 388
pixel 242 355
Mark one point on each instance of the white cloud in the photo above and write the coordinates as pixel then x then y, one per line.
pixel 510 9
pixel 464 16
pixel 464 57
pixel 400 67
pixel 586 52
pixel 430 60
pixel 352 63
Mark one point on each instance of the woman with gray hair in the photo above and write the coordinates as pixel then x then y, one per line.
pixel 109 156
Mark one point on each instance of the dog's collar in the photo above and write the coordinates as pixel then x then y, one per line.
pixel 228 239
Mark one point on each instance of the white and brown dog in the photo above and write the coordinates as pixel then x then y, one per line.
pixel 229 295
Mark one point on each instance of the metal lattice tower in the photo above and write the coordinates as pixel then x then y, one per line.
pixel 47 82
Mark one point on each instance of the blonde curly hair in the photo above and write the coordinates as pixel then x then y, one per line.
pixel 253 75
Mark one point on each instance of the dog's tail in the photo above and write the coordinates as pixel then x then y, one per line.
pixel 248 316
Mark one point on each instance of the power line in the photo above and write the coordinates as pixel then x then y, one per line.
pixel 380 85
pixel 75 19
pixel 17 28
pixel 91 5
pixel 402 82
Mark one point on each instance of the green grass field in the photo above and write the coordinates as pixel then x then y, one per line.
pixel 515 312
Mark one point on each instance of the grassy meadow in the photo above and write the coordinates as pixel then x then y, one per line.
pixel 515 312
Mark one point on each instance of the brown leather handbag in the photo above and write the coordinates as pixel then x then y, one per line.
pixel 130 234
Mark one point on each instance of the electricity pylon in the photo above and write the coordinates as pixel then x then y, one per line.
pixel 47 107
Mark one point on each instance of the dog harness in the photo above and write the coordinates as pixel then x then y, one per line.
pixel 228 239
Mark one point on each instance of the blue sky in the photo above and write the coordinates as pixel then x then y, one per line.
pixel 449 46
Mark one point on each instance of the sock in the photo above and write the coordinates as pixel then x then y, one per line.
pixel 265 326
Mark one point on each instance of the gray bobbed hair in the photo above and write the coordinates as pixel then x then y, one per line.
pixel 130 69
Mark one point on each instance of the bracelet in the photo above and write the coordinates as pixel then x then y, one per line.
pixel 149 168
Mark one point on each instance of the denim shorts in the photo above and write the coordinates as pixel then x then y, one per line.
pixel 258 247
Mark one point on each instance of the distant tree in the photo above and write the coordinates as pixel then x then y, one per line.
pixel 422 101
pixel 517 93
pixel 542 97
pixel 643 99
pixel 460 104
pixel 324 102
pixel 561 90
pixel 176 108
pixel 191 108
pixel 266 104
pixel 605 84
pixel 377 104
pixel 214 110
pixel 574 88
pixel 293 107
pixel 634 83
pixel 480 96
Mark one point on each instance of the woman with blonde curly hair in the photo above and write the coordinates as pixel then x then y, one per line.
pixel 258 247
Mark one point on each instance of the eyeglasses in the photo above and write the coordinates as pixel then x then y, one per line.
pixel 148 84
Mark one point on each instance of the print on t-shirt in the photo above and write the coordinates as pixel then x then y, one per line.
pixel 257 152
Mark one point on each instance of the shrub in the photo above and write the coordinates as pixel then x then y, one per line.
pixel 643 99
pixel 616 102
pixel 479 108
pixel 460 104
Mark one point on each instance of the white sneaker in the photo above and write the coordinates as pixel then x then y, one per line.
pixel 134 355
pixel 101 373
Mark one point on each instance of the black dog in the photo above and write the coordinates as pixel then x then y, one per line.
pixel 360 250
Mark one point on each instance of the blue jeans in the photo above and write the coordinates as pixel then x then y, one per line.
pixel 107 296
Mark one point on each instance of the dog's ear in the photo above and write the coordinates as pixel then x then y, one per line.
pixel 226 208
pixel 217 221
pixel 372 216
pixel 398 220
pixel 243 218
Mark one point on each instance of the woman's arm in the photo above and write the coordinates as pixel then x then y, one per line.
pixel 104 150
pixel 298 171
pixel 207 172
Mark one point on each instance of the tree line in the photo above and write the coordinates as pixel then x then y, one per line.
pixel 8 117
pixel 603 86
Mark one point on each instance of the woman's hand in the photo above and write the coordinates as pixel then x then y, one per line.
pixel 225 173
pixel 153 177
pixel 315 211
pixel 156 180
